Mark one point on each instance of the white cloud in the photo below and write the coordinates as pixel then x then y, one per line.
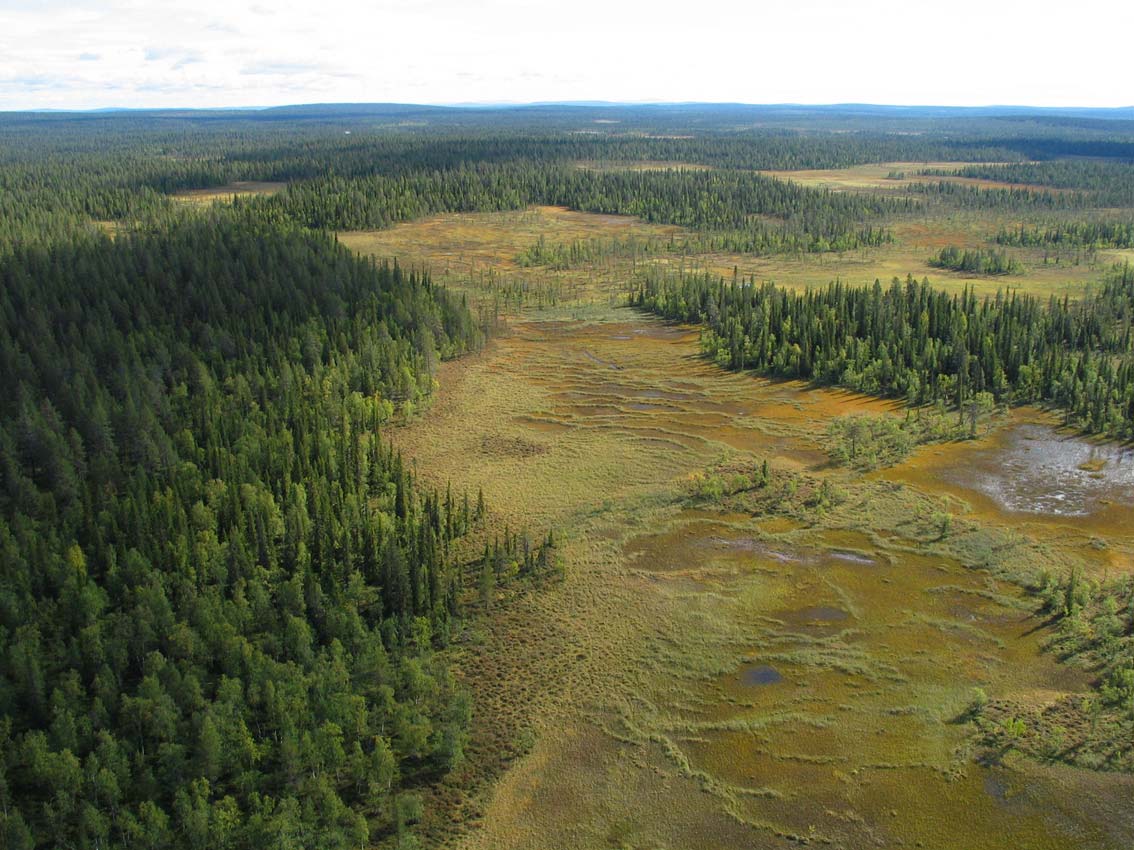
pixel 83 53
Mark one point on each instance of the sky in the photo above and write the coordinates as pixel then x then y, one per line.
pixel 88 54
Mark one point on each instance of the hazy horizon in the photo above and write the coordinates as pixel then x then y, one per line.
pixel 597 104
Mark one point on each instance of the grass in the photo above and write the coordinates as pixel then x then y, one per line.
pixel 225 194
pixel 895 177
pixel 477 253
pixel 465 243
pixel 915 242
pixel 609 710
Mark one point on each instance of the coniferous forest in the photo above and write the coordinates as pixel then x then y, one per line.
pixel 222 589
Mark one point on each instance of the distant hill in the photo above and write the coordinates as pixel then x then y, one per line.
pixel 578 109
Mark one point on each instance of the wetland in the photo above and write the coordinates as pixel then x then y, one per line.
pixel 728 676
pixel 1035 469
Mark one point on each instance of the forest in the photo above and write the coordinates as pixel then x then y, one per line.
pixel 60 173
pixel 221 588
pixel 1090 234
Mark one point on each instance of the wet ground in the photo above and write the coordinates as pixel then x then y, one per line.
pixel 1072 493
pixel 715 680
pixel 719 680
pixel 1038 470
pixel 843 719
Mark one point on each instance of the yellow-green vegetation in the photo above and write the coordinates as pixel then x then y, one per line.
pixel 485 251
pixel 916 241
pixel 465 243
pixel 889 176
pixel 751 645
pixel 237 189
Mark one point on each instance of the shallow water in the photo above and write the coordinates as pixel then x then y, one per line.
pixel 817 614
pixel 697 545
pixel 703 542
pixel 760 674
pixel 1036 469
pixel 854 558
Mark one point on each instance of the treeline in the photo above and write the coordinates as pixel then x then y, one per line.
pixel 303 142
pixel 1074 234
pixel 924 345
pixel 769 238
pixel 63 173
pixel 764 240
pixel 975 261
pixel 1108 182
pixel 743 211
pixel 963 196
pixel 216 148
pixel 1094 623
pixel 220 589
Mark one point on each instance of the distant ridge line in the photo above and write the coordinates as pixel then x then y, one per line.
pixel 393 109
